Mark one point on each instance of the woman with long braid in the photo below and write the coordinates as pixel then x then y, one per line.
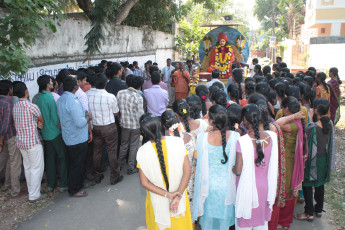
pixel 214 186
pixel 171 123
pixel 181 109
pixel 322 89
pixel 164 171
pixel 196 124
pixel 257 169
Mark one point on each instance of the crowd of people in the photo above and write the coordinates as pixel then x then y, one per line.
pixel 225 156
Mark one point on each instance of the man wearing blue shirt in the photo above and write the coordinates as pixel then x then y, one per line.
pixel 74 127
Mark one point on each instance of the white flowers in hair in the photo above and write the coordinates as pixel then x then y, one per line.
pixel 173 128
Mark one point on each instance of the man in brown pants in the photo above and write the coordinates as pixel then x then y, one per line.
pixel 103 108
pixel 8 149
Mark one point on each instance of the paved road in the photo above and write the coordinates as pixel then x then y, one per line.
pixel 118 207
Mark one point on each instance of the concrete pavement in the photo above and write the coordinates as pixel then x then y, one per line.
pixel 116 207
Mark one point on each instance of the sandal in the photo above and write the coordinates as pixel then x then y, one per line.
pixel 80 194
pixel 318 214
pixel 304 216
pixel 281 227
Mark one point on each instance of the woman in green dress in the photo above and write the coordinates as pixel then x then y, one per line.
pixel 320 161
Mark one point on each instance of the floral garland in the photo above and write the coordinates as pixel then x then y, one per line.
pixel 172 129
pixel 240 42
pixel 194 84
pixel 224 65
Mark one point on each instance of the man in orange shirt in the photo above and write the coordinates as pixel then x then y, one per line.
pixel 180 80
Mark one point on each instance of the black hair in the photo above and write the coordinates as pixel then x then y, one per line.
pixel 255 61
pixel 219 117
pixel 100 81
pixel 202 92
pixel 5 87
pixel 262 102
pixel 130 66
pixel 113 70
pixel 322 76
pixel 54 81
pixel 130 80
pixel 220 98
pixel 252 114
pixel 233 112
pixel 263 88
pixel 272 96
pixel 138 82
pixel 91 78
pixel 259 78
pixel 211 90
pixel 19 89
pixel 287 81
pixel 150 127
pixel 169 119
pixel 42 82
pixel 69 83
pixel 285 70
pixel 290 75
pixel 276 74
pixel 215 73
pixel 135 62
pixel 280 58
pixel 99 69
pixel 180 106
pixel 273 82
pixel 233 92
pixel 296 80
pixel 237 76
pixel 300 74
pixel 294 92
pixel 250 88
pixel 321 105
pixel 63 73
pixel 293 106
pixel 268 77
pixel 81 75
pixel 282 65
pixel 335 73
pixel 307 93
pixel 153 69
pixel 312 69
pixel 309 80
pixel 219 85
pixel 310 73
pixel 266 70
pixel 155 78
pixel 275 66
pixel 248 79
pixel 195 105
pixel 280 88
pixel 258 67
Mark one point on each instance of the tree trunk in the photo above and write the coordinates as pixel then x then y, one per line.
pixel 86 6
pixel 290 19
pixel 124 11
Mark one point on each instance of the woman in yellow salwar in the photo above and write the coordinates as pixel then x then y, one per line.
pixel 164 171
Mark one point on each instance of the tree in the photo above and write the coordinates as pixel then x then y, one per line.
pixel 19 26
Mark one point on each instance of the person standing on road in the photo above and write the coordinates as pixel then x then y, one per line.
pixel 27 118
pixel 8 150
pixel 74 127
pixel 51 133
pixel 166 75
pixel 164 171
pixel 180 81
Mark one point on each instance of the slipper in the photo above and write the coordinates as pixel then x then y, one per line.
pixel 304 216
pixel 80 194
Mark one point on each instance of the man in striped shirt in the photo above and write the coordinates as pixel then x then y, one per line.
pixel 103 108
pixel 131 106
pixel 27 118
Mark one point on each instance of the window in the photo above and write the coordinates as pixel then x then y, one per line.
pixel 323 30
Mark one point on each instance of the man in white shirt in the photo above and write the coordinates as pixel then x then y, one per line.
pixel 166 75
pixel 255 61
pixel 215 76
pixel 103 108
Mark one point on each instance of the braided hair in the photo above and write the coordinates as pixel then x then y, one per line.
pixel 150 127
pixel 202 92
pixel 180 106
pixel 169 119
pixel 237 75
pixel 213 88
pixel 307 93
pixel 309 80
pixel 233 112
pixel 321 105
pixel 252 114
pixel 195 106
pixel 250 88
pixel 322 76
pixel 218 115
pixel 233 92
pixel 335 73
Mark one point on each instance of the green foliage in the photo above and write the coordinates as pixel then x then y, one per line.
pixel 156 14
pixel 19 29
